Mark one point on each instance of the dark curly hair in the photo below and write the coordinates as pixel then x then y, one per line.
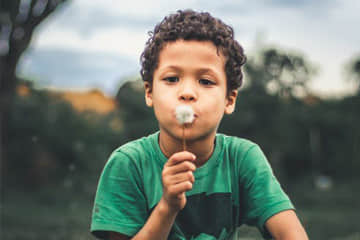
pixel 191 25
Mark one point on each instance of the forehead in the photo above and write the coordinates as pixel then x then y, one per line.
pixel 191 54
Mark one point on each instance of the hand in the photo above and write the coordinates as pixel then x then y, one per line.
pixel 177 178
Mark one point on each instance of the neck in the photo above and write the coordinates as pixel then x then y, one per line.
pixel 202 148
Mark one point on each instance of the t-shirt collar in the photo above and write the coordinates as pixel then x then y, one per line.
pixel 204 169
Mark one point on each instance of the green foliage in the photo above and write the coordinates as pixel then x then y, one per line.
pixel 139 120
pixel 300 135
pixel 281 73
pixel 18 21
pixel 353 71
pixel 326 215
pixel 51 142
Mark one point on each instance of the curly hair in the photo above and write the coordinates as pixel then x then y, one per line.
pixel 191 25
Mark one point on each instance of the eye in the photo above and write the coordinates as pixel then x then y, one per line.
pixel 206 82
pixel 171 79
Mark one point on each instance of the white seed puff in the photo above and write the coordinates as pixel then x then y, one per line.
pixel 184 114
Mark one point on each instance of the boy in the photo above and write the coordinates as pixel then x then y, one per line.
pixel 151 188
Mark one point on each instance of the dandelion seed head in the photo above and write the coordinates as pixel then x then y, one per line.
pixel 184 114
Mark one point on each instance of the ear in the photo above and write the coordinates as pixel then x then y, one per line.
pixel 148 94
pixel 230 102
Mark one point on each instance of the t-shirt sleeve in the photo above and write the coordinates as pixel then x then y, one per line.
pixel 120 203
pixel 263 196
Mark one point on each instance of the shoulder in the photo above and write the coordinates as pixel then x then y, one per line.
pixel 133 152
pixel 236 146
pixel 245 154
pixel 138 146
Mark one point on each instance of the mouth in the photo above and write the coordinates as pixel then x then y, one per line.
pixel 185 114
pixel 196 116
pixel 193 122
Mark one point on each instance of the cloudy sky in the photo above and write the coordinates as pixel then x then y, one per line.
pixel 97 43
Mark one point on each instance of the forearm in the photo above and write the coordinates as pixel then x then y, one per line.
pixel 293 236
pixel 297 233
pixel 158 225
pixel 286 226
pixel 177 178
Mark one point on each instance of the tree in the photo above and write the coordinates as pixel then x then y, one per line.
pixel 18 20
pixel 139 120
pixel 285 74
pixel 272 76
pixel 353 70
pixel 49 138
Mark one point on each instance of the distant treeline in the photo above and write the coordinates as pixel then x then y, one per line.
pixel 301 134
pixel 301 137
pixel 50 143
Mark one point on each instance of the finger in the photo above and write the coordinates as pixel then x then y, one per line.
pixel 181 167
pixel 182 177
pixel 180 188
pixel 180 157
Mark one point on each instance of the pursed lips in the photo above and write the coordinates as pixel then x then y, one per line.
pixel 195 116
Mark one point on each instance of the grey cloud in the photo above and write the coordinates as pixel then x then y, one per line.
pixel 88 21
pixel 300 3
pixel 64 68
pixel 251 8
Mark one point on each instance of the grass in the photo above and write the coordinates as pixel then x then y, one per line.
pixel 41 216
pixel 332 214
pixel 61 214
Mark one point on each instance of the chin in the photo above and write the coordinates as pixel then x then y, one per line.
pixel 193 136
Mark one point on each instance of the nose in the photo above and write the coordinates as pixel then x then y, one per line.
pixel 187 91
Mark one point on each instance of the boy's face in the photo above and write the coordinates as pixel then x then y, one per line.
pixel 190 73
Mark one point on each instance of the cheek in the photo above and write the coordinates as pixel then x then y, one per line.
pixel 214 108
pixel 162 107
pixel 216 101
pixel 163 99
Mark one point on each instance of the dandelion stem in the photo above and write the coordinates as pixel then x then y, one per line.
pixel 183 138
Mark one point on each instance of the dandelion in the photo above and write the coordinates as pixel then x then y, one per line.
pixel 184 115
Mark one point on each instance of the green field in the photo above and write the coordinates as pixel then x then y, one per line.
pixel 63 214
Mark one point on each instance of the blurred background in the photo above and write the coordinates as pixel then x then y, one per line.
pixel 71 93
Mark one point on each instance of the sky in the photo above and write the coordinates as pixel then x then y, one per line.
pixel 97 44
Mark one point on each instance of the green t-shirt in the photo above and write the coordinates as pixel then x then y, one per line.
pixel 235 186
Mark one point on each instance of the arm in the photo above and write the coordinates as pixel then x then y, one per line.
pixel 177 178
pixel 286 226
pixel 268 207
pixel 156 227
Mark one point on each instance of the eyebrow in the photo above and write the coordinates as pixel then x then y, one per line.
pixel 207 70
pixel 201 70
pixel 171 67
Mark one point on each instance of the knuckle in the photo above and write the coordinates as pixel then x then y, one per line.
pixel 188 185
pixel 164 173
pixel 175 156
pixel 192 178
pixel 165 182
pixel 188 165
pixel 166 179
